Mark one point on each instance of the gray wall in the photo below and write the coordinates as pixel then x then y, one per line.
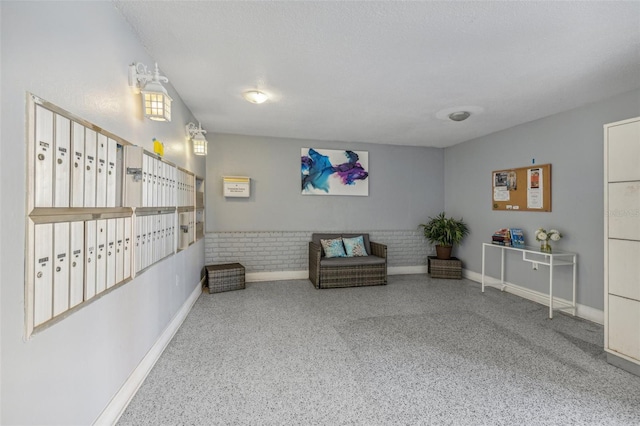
pixel 75 55
pixel 573 143
pixel 405 187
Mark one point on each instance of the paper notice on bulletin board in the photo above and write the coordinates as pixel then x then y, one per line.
pixel 500 193
pixel 534 188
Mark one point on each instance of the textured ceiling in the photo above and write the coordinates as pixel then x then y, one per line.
pixel 382 71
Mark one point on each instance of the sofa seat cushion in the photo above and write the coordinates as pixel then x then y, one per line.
pixel 352 261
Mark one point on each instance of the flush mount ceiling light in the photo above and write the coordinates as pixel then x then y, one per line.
pixel 255 96
pixel 459 115
pixel 156 102
pixel 197 137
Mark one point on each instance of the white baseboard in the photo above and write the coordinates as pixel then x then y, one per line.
pixel 120 401
pixel 406 270
pixel 582 311
pixel 252 277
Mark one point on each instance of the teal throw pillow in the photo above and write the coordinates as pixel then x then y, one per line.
pixel 333 248
pixel 355 246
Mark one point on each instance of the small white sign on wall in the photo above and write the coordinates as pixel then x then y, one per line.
pixel 236 186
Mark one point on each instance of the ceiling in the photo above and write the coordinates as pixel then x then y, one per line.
pixel 384 72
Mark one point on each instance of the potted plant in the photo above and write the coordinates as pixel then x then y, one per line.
pixel 444 232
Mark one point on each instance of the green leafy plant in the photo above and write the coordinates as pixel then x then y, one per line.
pixel 444 231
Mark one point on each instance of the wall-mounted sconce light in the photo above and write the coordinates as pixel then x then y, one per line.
pixel 156 102
pixel 197 137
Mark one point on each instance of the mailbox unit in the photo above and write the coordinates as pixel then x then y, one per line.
pixel 101 210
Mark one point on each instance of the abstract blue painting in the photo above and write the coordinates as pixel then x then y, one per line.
pixel 334 172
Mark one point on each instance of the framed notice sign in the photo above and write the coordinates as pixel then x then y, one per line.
pixel 522 189
pixel 236 186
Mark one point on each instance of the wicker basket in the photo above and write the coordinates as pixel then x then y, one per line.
pixel 226 277
pixel 450 268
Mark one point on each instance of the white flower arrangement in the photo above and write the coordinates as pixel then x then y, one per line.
pixel 544 235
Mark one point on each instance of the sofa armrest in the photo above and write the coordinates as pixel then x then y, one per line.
pixel 378 249
pixel 315 253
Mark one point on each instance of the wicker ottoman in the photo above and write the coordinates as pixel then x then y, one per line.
pixel 226 277
pixel 450 268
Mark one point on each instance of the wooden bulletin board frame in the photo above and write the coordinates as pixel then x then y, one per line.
pixel 523 189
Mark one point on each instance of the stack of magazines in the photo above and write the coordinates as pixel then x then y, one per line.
pixel 502 237
pixel 510 237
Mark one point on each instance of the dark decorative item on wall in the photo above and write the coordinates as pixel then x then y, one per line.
pixel 334 172
pixel 444 232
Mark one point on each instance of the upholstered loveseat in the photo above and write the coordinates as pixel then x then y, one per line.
pixel 347 271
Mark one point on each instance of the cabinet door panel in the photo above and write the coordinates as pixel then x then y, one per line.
pixel 76 275
pixel 43 160
pixel 101 176
pixel 101 255
pixel 624 152
pixel 126 256
pixel 43 273
pixel 77 167
pixel 90 166
pixel 91 259
pixel 624 268
pixel 624 326
pixel 62 162
pixel 112 160
pixel 61 268
pixel 623 210
pixel 119 249
pixel 112 229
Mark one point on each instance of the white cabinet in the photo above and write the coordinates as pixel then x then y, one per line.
pixel 622 243
pixel 624 326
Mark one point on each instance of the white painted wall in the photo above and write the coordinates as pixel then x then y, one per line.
pixel 573 143
pixel 75 55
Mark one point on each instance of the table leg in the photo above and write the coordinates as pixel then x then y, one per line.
pixel 551 288
pixel 502 270
pixel 483 247
pixel 575 262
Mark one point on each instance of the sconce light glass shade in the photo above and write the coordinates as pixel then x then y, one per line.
pixel 255 96
pixel 199 145
pixel 197 138
pixel 156 102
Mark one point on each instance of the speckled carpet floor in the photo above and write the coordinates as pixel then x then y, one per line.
pixel 418 351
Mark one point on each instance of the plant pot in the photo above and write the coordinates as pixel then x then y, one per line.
pixel 443 252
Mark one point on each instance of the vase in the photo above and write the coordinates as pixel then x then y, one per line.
pixel 545 247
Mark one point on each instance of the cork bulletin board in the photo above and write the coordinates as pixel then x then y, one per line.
pixel 522 189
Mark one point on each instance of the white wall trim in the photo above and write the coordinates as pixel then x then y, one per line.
pixel 582 311
pixel 120 401
pixel 405 270
pixel 252 277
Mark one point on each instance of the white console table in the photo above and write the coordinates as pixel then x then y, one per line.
pixel 536 257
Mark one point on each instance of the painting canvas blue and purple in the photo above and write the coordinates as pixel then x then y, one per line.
pixel 335 172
